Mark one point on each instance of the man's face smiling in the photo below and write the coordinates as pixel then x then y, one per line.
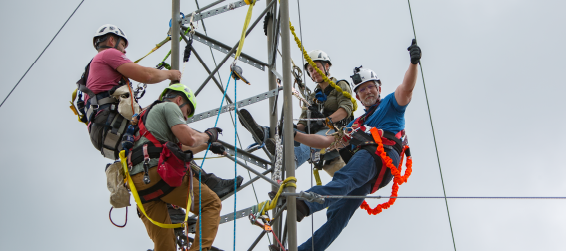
pixel 368 93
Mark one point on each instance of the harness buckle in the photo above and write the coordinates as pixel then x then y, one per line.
pixel 146 160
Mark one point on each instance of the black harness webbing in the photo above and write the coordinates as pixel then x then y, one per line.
pixel 362 140
pixel 156 192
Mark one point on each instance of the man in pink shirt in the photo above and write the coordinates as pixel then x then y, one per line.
pixel 110 65
pixel 109 69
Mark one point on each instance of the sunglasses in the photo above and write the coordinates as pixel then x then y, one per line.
pixel 369 87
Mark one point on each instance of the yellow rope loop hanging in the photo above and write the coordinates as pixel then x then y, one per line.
pixel 326 79
pixel 268 205
pixel 124 161
pixel 246 23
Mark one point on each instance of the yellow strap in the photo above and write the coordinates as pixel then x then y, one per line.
pixel 243 37
pixel 73 108
pixel 268 205
pixel 123 160
pixel 317 177
pixel 326 79
pixel 157 46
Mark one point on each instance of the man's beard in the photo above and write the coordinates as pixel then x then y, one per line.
pixel 370 100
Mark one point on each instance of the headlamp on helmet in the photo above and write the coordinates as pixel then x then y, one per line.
pixel 362 75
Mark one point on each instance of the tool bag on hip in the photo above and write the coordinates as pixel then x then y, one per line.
pixel 107 114
pixel 119 194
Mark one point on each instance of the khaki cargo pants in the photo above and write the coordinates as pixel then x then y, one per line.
pixel 164 238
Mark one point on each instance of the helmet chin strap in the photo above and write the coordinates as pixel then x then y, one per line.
pixel 117 43
pixel 106 46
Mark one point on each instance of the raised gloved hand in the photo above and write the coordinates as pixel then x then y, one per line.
pixel 217 148
pixel 213 133
pixel 315 114
pixel 415 52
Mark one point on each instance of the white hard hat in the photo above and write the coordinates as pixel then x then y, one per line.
pixel 318 55
pixel 361 76
pixel 107 29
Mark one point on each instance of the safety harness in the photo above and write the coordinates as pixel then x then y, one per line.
pixel 361 138
pixel 321 97
pixel 100 113
pixel 155 149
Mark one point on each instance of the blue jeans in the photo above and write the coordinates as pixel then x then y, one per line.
pixel 303 152
pixel 352 179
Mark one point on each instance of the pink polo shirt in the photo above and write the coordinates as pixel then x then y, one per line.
pixel 103 74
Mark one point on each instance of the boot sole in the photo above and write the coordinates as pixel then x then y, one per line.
pixel 253 126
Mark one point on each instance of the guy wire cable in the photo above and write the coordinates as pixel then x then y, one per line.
pixel 42 52
pixel 433 134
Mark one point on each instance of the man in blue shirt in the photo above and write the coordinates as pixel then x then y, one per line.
pixel 358 176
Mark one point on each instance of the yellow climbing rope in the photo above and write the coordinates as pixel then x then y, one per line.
pixel 309 60
pixel 124 161
pixel 268 205
pixel 317 176
pixel 246 23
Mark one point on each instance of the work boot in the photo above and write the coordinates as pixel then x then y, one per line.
pixel 271 145
pixel 224 187
pixel 333 165
pixel 252 126
pixel 302 208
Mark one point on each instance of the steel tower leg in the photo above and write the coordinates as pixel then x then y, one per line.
pixel 288 123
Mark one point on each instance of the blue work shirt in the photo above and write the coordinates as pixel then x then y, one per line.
pixel 389 116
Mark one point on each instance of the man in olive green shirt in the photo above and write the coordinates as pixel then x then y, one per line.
pixel 326 102
pixel 167 123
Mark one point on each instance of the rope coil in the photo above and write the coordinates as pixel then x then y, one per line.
pixel 270 204
pixel 398 178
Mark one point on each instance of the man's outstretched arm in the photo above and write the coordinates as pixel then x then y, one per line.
pixel 404 92
pixel 314 140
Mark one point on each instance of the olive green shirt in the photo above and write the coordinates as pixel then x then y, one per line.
pixel 334 101
pixel 159 121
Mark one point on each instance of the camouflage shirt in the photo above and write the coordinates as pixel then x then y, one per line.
pixel 334 100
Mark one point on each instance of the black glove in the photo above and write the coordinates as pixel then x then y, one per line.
pixel 415 52
pixel 315 114
pixel 217 148
pixel 213 133
pixel 315 127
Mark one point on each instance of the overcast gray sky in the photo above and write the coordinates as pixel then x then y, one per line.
pixel 494 77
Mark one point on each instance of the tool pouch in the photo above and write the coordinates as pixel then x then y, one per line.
pixel 127 106
pixel 119 195
pixel 173 164
pixel 106 131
